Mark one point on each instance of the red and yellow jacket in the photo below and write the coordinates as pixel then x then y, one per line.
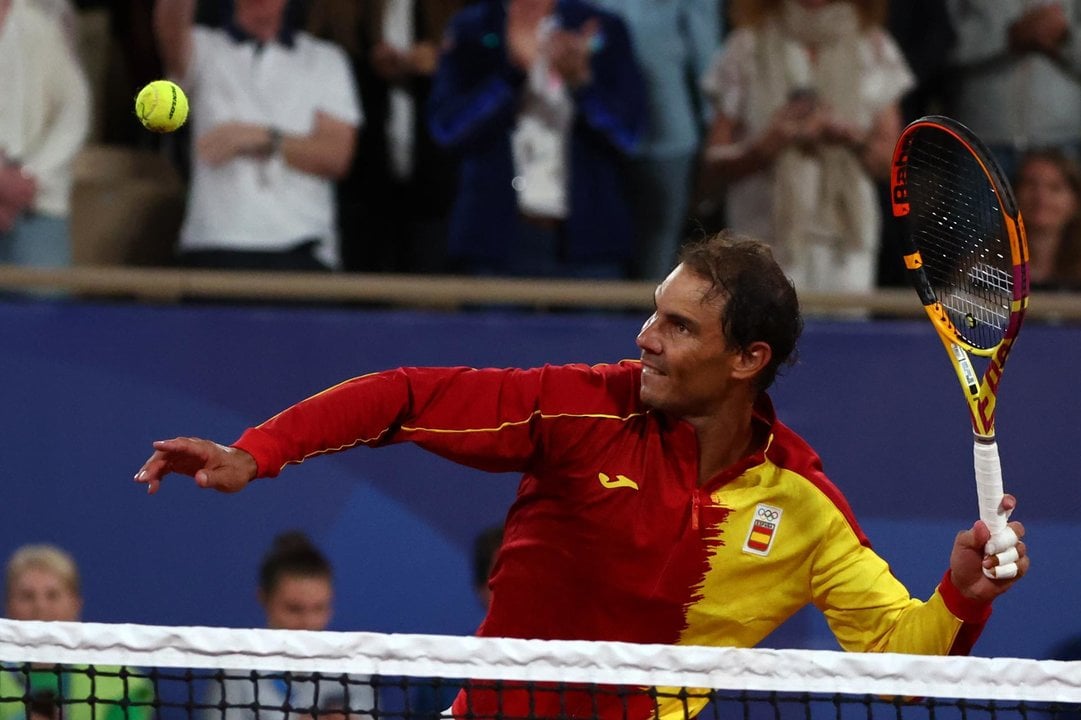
pixel 610 537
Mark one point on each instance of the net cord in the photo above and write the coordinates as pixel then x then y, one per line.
pixel 418 655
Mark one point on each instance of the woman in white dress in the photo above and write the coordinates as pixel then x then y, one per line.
pixel 806 97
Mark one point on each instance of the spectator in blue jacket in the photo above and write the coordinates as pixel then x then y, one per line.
pixel 543 102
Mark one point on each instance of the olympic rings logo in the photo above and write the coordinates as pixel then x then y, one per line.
pixel 768 514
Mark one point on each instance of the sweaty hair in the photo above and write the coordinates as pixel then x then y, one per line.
pixel 45 557
pixel 760 301
pixel 292 555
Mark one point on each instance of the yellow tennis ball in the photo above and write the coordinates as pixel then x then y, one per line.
pixel 162 106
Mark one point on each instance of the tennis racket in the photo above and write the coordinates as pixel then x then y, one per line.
pixel 966 254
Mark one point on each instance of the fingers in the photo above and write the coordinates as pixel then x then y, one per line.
pixel 181 455
pixel 1003 540
pixel 1008 564
pixel 202 479
pixel 1005 555
pixel 1002 572
pixel 152 472
pixel 1006 507
pixel 182 444
pixel 984 566
pixel 211 465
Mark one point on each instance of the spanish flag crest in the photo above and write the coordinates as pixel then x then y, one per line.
pixel 763 529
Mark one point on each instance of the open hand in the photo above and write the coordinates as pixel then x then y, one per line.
pixel 570 51
pixel 523 19
pixel 222 468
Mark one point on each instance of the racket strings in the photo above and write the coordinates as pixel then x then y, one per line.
pixel 958 227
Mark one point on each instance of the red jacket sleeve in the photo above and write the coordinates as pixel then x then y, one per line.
pixel 491 419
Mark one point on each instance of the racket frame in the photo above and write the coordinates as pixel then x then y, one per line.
pixel 980 393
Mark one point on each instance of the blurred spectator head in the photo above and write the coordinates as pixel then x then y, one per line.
pixel 296 584
pixel 1048 188
pixel 42 583
pixel 263 19
pixel 42 705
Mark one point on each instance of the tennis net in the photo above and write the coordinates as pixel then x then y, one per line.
pixel 89 671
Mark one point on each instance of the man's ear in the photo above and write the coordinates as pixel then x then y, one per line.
pixel 752 360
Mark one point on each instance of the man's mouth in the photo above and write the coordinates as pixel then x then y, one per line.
pixel 651 369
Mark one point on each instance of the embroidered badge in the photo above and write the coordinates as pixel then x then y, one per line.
pixel 763 529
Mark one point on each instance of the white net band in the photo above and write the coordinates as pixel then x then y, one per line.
pixel 378 654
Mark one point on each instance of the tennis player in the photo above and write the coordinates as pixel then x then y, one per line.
pixel 661 501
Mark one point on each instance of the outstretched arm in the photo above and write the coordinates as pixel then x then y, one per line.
pixel 225 469
pixel 491 419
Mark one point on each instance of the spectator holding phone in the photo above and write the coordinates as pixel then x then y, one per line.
pixel 806 97
pixel 44 121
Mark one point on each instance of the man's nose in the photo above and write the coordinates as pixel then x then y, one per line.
pixel 646 338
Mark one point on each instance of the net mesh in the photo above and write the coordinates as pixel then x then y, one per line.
pixel 957 225
pixel 54 671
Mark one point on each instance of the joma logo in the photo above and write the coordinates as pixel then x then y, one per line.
pixel 619 481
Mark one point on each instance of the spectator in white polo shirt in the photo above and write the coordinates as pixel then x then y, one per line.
pixel 275 114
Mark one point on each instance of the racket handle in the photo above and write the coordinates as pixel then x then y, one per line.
pixel 989 484
pixel 989 487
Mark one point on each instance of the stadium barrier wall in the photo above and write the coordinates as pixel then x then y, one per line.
pixel 88 385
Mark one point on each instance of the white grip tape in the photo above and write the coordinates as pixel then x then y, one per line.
pixel 1007 557
pixel 989 491
pixel 1002 542
pixel 1004 547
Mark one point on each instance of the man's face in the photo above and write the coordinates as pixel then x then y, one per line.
pixel 686 363
pixel 299 603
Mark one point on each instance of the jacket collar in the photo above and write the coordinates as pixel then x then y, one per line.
pixel 286 35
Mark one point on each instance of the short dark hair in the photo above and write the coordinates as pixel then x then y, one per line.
pixel 292 555
pixel 760 301
pixel 43 704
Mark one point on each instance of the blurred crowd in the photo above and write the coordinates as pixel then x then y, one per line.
pixel 296 591
pixel 542 138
